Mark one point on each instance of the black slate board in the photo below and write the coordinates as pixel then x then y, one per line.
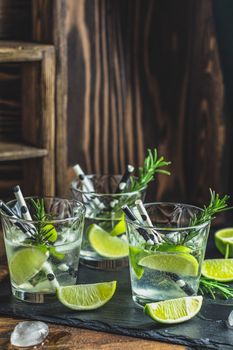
pixel 208 330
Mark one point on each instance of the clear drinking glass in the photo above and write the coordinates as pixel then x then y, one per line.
pixel 166 258
pixel 43 253
pixel 104 241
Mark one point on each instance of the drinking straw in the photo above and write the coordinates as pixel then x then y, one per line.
pixel 46 267
pixel 28 231
pixel 123 182
pixel 85 181
pixel 21 202
pixel 181 283
pixel 140 230
pixel 146 219
pixel 88 186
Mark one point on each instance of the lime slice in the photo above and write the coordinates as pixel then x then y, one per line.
pixel 135 255
pixel 174 310
pixel 119 229
pixel 218 269
pixel 86 296
pixel 173 248
pixel 49 232
pixel 224 241
pixel 180 264
pixel 106 245
pixel 25 264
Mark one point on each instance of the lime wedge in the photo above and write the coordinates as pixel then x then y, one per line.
pixel 180 264
pixel 218 269
pixel 135 255
pixel 106 245
pixel 49 232
pixel 86 296
pixel 119 229
pixel 165 247
pixel 174 310
pixel 224 241
pixel 25 264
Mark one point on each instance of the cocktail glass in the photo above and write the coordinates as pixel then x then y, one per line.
pixel 43 253
pixel 170 266
pixel 104 241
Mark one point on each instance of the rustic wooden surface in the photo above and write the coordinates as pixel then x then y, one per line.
pixel 38 121
pixel 67 338
pixel 14 151
pixel 48 26
pixel 145 74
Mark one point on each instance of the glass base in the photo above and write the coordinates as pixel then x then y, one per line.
pixel 140 301
pixel 38 298
pixel 107 264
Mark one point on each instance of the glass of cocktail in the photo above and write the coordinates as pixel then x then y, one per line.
pixel 165 255
pixel 105 244
pixel 43 250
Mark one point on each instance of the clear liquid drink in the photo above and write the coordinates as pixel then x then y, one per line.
pixel 43 254
pixel 169 265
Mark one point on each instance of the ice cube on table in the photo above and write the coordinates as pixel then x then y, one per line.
pixel 29 333
pixel 230 320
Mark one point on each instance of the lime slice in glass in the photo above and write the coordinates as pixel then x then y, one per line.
pixel 49 232
pixel 224 240
pixel 119 229
pixel 174 310
pixel 106 245
pixel 86 296
pixel 135 255
pixel 25 264
pixel 165 247
pixel 180 264
pixel 218 269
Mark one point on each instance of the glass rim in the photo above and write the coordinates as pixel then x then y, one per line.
pixel 58 221
pixel 96 194
pixel 185 228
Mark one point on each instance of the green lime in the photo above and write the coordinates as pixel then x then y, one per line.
pixel 106 245
pixel 166 247
pixel 224 241
pixel 86 296
pixel 180 264
pixel 25 264
pixel 218 269
pixel 174 310
pixel 50 233
pixel 136 254
pixel 119 229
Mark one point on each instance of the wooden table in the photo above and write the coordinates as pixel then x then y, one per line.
pixel 68 338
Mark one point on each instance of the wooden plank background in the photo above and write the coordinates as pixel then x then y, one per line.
pixel 140 74
pixel 145 74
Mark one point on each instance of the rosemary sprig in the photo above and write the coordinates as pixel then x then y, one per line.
pixel 152 165
pixel 217 205
pixel 213 288
pixel 45 233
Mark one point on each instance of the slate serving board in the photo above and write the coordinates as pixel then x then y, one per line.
pixel 208 330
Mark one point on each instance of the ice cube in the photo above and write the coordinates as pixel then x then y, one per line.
pixel 29 333
pixel 230 320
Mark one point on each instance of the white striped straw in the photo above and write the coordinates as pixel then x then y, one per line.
pixel 145 217
pixel 123 182
pixel 21 202
pixel 88 186
pixel 85 181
